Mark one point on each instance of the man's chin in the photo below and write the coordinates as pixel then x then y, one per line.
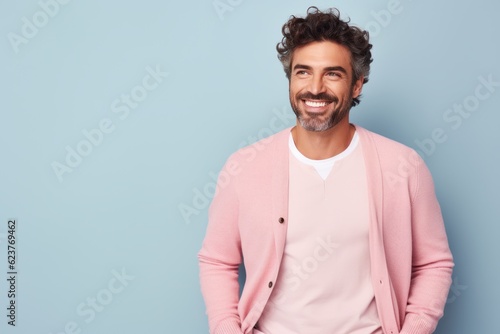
pixel 312 126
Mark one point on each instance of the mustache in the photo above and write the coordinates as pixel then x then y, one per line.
pixel 320 96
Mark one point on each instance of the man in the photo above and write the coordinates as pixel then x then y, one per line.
pixel 338 228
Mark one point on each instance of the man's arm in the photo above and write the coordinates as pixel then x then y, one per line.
pixel 432 260
pixel 219 259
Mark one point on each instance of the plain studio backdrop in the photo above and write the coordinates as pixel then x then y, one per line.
pixel 117 116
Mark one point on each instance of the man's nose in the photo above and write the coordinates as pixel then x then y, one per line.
pixel 316 85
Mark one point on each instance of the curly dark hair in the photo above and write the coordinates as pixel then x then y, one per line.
pixel 326 26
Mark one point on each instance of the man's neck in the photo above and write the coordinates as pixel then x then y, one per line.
pixel 319 145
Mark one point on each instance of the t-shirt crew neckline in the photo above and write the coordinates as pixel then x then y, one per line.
pixel 323 166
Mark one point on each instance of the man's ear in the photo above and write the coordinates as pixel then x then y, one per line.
pixel 358 87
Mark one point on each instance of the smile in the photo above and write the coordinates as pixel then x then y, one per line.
pixel 316 104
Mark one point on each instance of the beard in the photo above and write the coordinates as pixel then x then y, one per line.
pixel 321 121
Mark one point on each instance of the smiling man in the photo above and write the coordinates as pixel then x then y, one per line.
pixel 338 228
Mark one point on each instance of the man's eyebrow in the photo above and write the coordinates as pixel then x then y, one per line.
pixel 303 67
pixel 335 68
pixel 326 69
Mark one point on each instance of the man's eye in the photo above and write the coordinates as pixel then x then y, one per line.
pixel 301 73
pixel 333 74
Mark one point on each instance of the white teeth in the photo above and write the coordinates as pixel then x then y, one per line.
pixel 315 103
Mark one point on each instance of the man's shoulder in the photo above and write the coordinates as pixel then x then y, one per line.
pixel 262 151
pixel 383 144
pixel 390 154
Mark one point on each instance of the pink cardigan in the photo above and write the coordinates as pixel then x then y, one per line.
pixel 410 258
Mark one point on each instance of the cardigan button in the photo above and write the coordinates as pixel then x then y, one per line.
pixel 270 285
pixel 281 220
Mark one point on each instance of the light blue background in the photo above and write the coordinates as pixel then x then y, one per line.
pixel 119 209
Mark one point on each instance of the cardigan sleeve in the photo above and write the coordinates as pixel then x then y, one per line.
pixel 219 260
pixel 432 261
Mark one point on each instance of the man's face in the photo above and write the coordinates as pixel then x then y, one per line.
pixel 321 87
